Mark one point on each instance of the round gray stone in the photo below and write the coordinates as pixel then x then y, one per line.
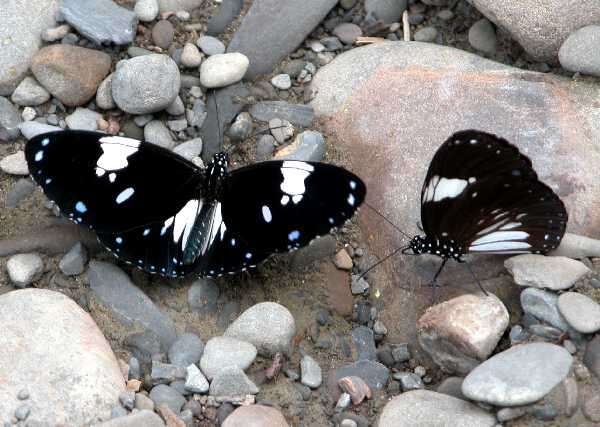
pixel 388 11
pixel 482 36
pixel 162 394
pixel 146 10
pixel 579 52
pixel 581 312
pixel 426 34
pixel 431 409
pixel 157 133
pixel 146 84
pixel 73 262
pixel 210 45
pixel 267 325
pixel 232 381
pixel 186 349
pixel 83 119
pixel 221 70
pixel 23 269
pixel 29 93
pixel 189 150
pixel 104 97
pixel 221 352
pixel 543 305
pixel 520 375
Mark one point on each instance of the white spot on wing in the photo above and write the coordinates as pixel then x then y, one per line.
pixel 351 200
pixel 266 213
pixel 184 221
pixel 511 225
pixel 499 236
pixel 115 151
pixel 294 235
pixel 80 207
pixel 39 156
pixel 501 246
pixel 443 188
pixel 124 195
pixel 45 142
pixel 166 225
pixel 294 174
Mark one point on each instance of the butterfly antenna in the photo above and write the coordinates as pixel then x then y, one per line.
pixel 394 252
pixel 476 279
pixel 387 220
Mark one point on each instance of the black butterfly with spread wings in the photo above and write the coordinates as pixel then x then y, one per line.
pixel 163 214
pixel 481 195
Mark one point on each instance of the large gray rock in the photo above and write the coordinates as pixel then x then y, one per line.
pixel 267 325
pixel 101 21
pixel 53 349
pixel 146 84
pixel 540 27
pixel 520 375
pixel 431 409
pixel 538 271
pixel 377 104
pixel 279 24
pixel 461 333
pixel 227 11
pixel 128 304
pixel 579 52
pixel 29 92
pixel 20 34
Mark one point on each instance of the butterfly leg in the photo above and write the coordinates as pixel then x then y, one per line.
pixel 433 283
pixel 475 278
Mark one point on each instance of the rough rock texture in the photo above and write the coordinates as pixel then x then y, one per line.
pixel 518 376
pixel 129 305
pixel 540 26
pixel 53 349
pixel 255 416
pixel 431 409
pixel 460 333
pixel 378 103
pixel 70 73
pixel 20 37
pixel 538 271
pixel 279 24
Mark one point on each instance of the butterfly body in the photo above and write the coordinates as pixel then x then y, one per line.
pixel 482 195
pixel 155 210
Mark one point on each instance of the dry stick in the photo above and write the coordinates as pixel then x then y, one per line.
pixel 406 26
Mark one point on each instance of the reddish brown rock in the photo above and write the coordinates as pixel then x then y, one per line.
pixel 390 106
pixel 70 73
pixel 255 416
pixel 460 333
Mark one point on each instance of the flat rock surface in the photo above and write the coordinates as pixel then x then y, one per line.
pixel 53 349
pixel 279 24
pixel 20 35
pixel 538 271
pixel 520 375
pixel 431 409
pixel 129 305
pixel 391 105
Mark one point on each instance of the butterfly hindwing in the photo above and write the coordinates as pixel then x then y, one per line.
pixel 483 194
pixel 283 205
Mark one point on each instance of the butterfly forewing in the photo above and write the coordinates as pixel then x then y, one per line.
pixel 111 183
pixel 283 205
pixel 483 194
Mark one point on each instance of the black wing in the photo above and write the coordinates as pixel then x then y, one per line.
pixel 483 194
pixel 283 205
pixel 141 199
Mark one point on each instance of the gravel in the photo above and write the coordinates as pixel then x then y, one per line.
pixel 297 114
pixel 364 340
pixel 9 120
pixel 73 262
pixel 310 372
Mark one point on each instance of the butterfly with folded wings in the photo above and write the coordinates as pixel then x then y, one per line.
pixel 163 214
pixel 481 195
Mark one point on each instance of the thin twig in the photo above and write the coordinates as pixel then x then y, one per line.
pixel 406 26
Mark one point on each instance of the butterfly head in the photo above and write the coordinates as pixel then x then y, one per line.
pixel 418 245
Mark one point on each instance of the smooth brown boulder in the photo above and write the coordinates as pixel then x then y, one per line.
pixel 389 106
pixel 70 73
